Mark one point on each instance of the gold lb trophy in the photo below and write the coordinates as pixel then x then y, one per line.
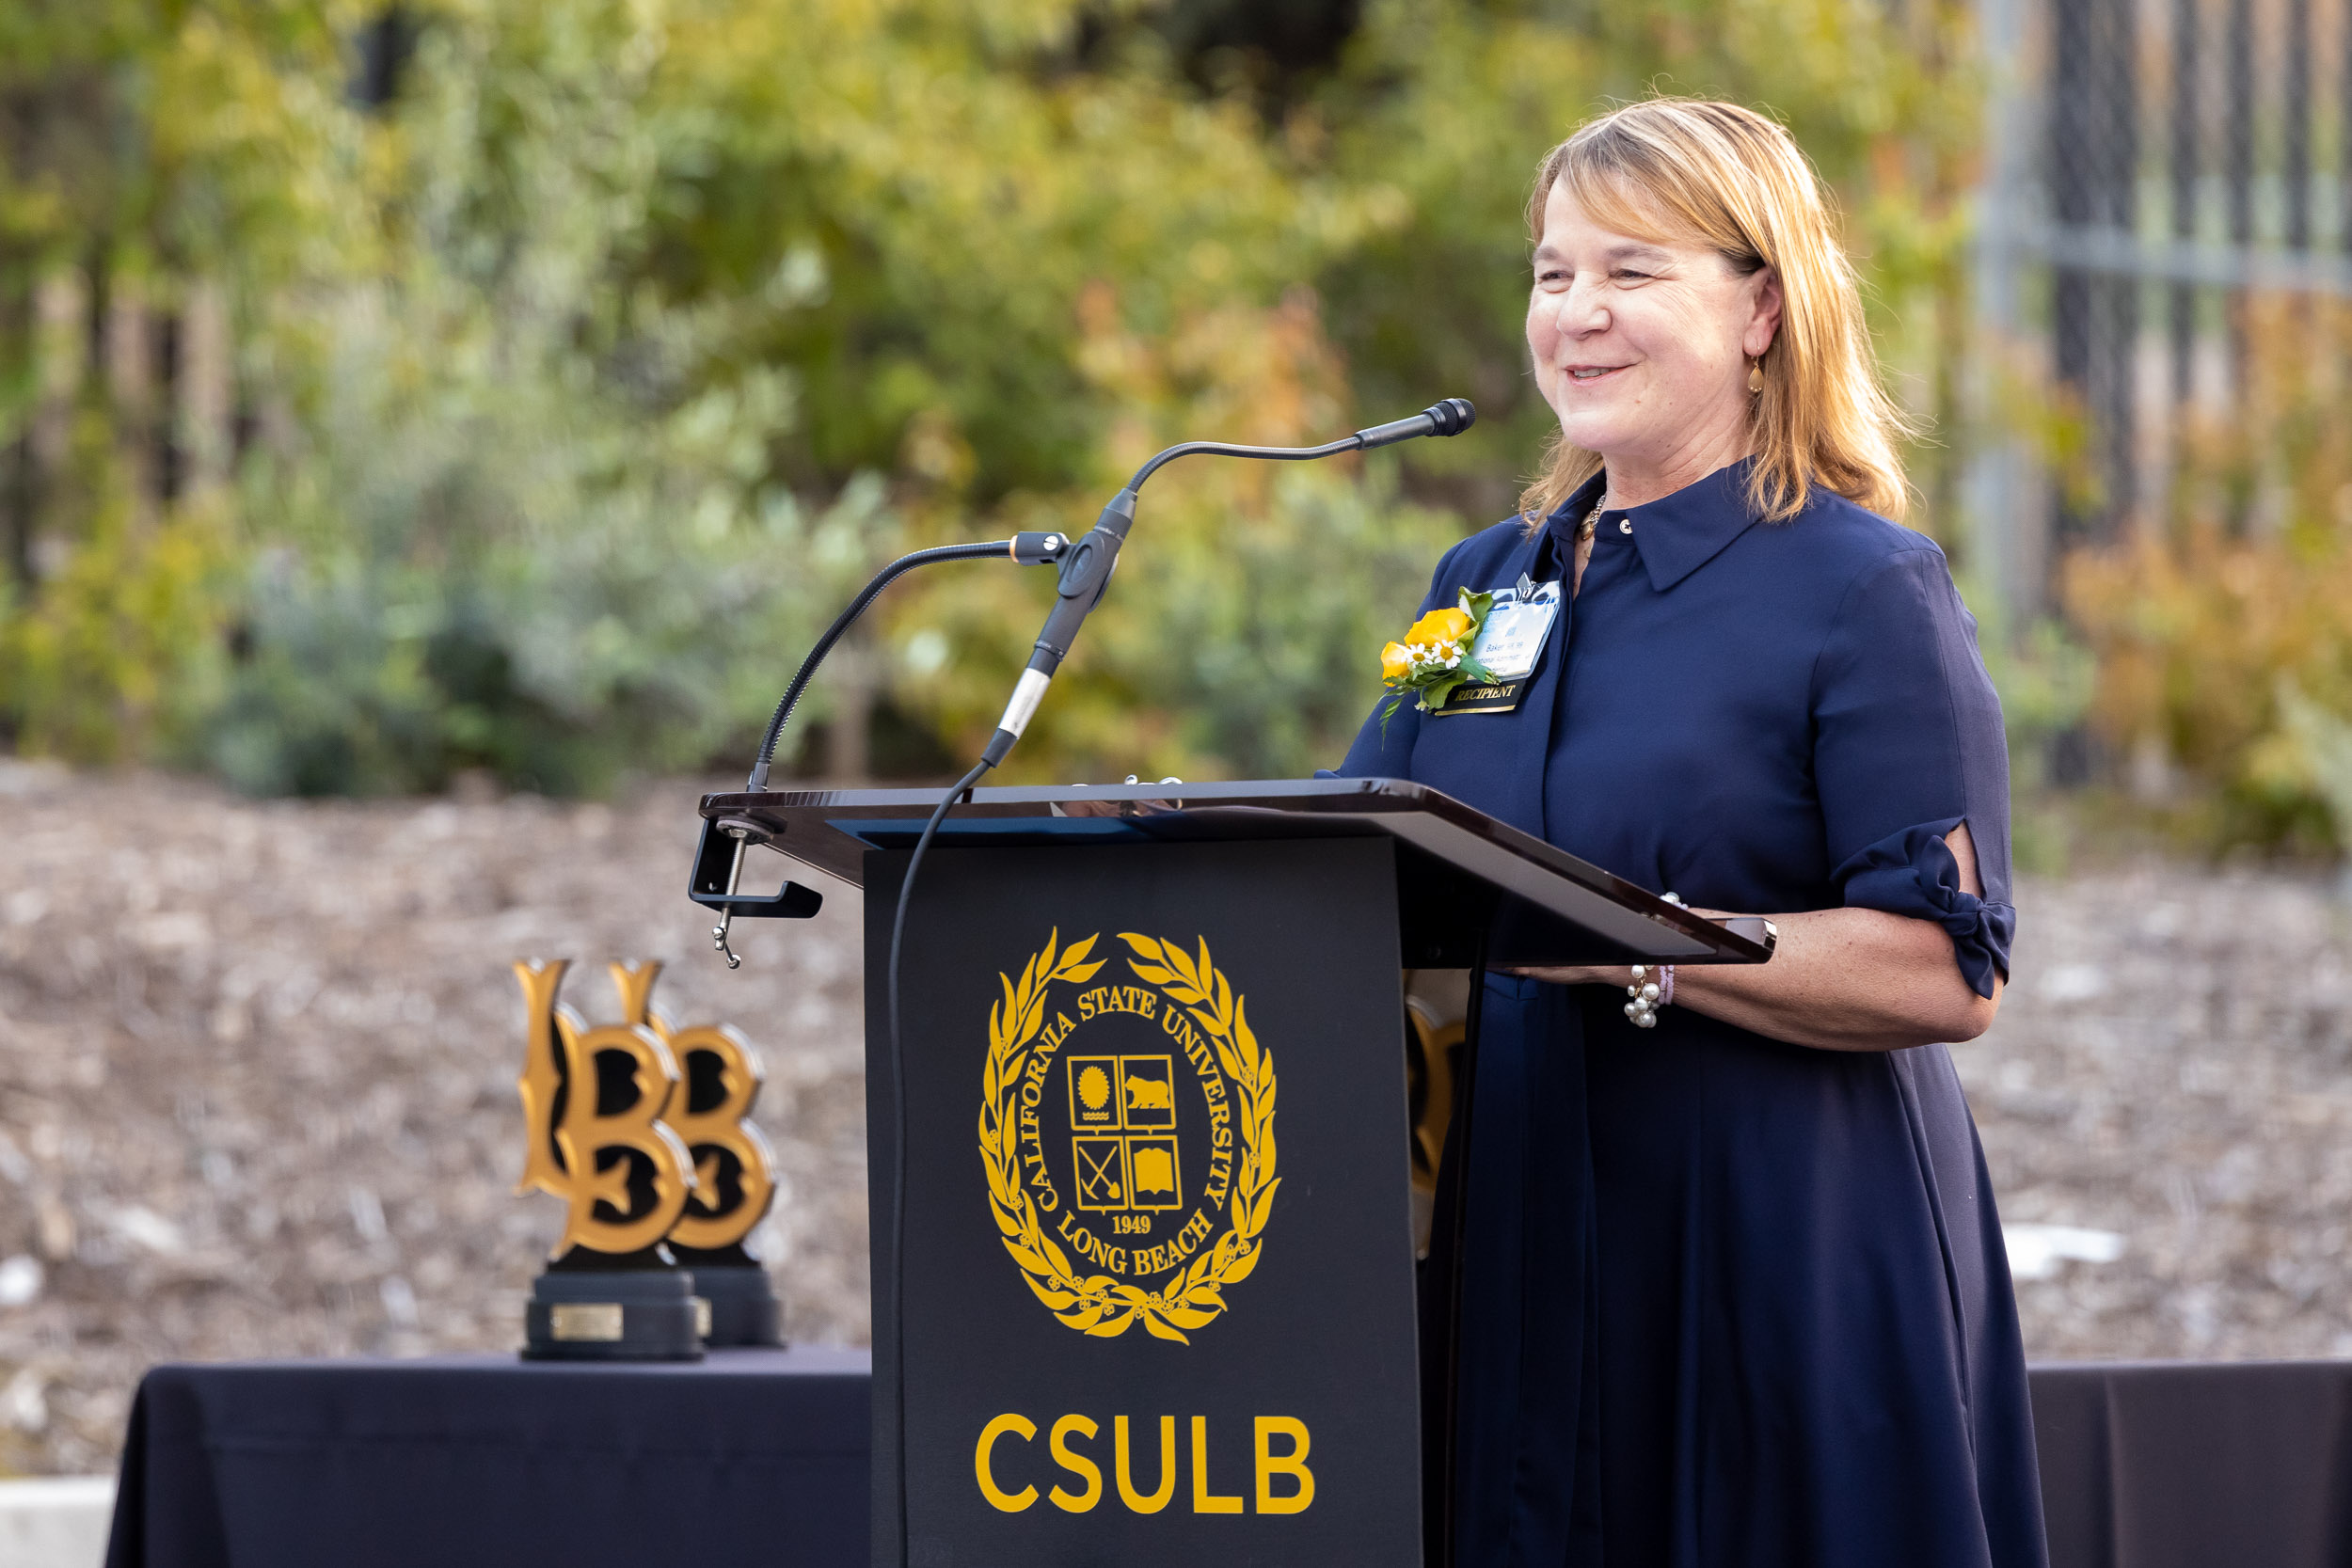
pixel 735 1180
pixel 637 1127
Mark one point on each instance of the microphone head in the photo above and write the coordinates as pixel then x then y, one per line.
pixel 1451 417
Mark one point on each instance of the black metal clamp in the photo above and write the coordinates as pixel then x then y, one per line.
pixel 719 873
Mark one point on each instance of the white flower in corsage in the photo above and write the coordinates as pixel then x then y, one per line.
pixel 1435 656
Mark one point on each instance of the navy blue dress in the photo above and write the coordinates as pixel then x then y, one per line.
pixel 1729 1301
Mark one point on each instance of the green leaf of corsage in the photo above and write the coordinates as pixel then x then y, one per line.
pixel 1435 655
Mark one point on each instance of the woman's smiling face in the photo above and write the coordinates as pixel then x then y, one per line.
pixel 1641 348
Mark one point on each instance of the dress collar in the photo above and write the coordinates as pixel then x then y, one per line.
pixel 1676 535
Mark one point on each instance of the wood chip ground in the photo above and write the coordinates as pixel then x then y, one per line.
pixel 258 1061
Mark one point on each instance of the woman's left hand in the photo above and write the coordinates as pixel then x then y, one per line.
pixel 1847 979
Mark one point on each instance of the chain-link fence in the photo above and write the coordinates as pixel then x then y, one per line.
pixel 2153 166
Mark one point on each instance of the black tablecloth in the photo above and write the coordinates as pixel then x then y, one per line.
pixel 750 1456
pixel 761 1456
pixel 2197 1463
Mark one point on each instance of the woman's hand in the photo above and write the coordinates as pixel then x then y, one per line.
pixel 1839 980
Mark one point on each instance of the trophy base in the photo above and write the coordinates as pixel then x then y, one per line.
pixel 743 1306
pixel 743 1309
pixel 612 1315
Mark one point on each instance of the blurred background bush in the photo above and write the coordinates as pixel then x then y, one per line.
pixel 391 392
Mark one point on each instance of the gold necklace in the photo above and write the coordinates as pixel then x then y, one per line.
pixel 1586 529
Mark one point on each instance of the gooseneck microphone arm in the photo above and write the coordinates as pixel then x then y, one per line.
pixel 1087 570
pixel 1227 449
pixel 1027 549
pixel 1030 549
pixel 1449 418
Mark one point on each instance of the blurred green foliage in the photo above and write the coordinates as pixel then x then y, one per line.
pixel 586 354
pixel 2223 644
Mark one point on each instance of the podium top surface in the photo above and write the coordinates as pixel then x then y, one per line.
pixel 1542 887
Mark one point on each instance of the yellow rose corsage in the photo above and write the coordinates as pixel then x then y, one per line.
pixel 1435 655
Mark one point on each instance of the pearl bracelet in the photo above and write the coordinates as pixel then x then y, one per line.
pixel 1649 995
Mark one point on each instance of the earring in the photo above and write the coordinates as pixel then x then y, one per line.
pixel 1755 376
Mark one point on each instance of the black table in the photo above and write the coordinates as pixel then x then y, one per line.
pixel 750 1456
pixel 2195 1463
pixel 761 1456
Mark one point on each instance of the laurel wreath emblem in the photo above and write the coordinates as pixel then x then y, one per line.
pixel 1097 1304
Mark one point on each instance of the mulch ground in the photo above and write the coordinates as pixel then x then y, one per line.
pixel 258 1061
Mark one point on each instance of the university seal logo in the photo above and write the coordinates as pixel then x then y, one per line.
pixel 1127 1132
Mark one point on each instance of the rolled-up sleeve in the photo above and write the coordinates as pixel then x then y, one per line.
pixel 1908 745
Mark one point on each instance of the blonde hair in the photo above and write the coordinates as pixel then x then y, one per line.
pixel 1719 175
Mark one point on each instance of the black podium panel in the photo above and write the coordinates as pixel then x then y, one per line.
pixel 1157 1180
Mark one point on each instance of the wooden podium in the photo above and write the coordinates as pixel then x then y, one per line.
pixel 1159 1295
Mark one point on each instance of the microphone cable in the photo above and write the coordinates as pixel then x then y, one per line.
pixel 899 1136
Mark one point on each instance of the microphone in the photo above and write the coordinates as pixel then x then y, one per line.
pixel 1086 571
pixel 1449 418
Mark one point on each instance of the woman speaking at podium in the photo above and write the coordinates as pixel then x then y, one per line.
pixel 1734 1291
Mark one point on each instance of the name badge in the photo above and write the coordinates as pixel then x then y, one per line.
pixel 1508 646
